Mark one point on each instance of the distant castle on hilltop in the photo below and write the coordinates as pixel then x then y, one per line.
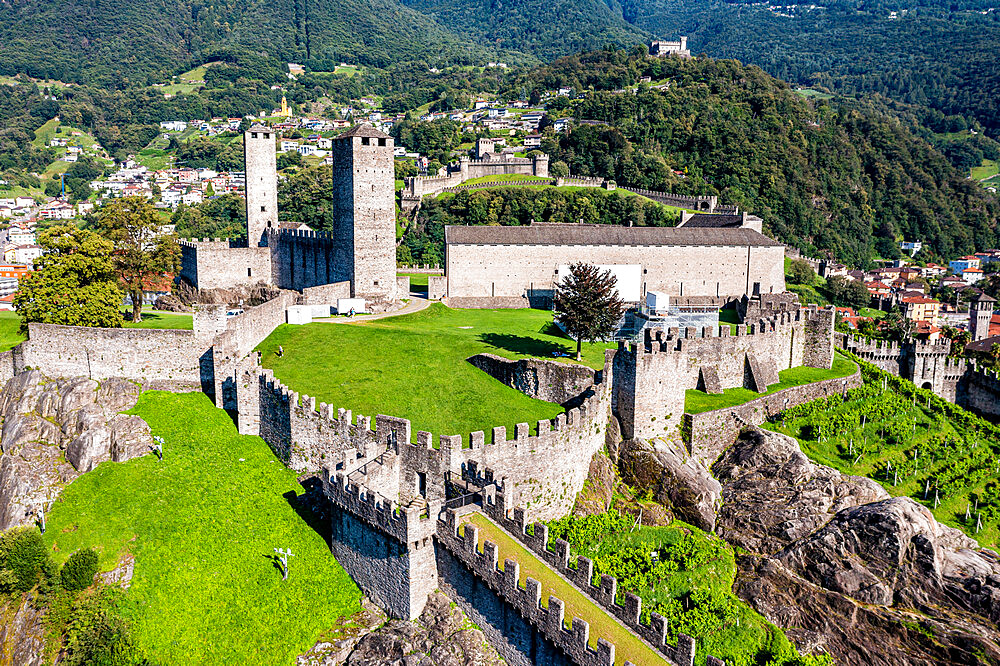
pixel 660 48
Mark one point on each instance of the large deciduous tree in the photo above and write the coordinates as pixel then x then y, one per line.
pixel 141 250
pixel 587 303
pixel 74 283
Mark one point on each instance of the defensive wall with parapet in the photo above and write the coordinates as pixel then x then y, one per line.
pixel 650 379
pixel 548 467
pixel 223 263
pixel 500 504
pixel 416 187
pixel 387 549
pixel 928 365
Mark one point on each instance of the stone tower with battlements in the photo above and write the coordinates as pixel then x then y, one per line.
pixel 364 209
pixel 980 313
pixel 261 183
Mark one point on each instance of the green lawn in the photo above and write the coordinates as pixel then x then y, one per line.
pixel 202 525
pixel 988 169
pixel 807 293
pixel 696 401
pixel 10 330
pixel 602 625
pixel 871 312
pixel 153 158
pixel 414 366
pixel 812 93
pixel 160 319
pixel 418 281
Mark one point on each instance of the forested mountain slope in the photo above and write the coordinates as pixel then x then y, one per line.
pixel 843 176
pixel 545 28
pixel 118 43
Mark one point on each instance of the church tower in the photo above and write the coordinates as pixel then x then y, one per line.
pixel 364 210
pixel 980 314
pixel 261 183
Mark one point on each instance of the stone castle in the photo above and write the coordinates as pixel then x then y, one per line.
pixel 395 498
pixel 356 260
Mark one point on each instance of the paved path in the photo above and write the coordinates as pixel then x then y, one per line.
pixel 416 304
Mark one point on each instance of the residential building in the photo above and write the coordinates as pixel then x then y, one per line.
pixel 972 275
pixel 920 308
pixel 962 263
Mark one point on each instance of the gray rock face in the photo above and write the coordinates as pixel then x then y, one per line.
pixel 844 567
pixel 774 495
pixel 441 636
pixel 675 478
pixel 22 632
pixel 53 430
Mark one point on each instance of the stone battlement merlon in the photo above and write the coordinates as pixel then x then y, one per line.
pixel 409 525
pixel 603 594
pixel 550 621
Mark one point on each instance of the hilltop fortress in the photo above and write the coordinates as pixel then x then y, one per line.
pixel 395 498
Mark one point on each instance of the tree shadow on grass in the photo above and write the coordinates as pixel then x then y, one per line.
pixel 305 506
pixel 522 344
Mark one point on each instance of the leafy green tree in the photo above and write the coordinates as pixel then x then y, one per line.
pixel 22 556
pixel 74 283
pixel 305 198
pixel 587 304
pixel 800 272
pixel 78 572
pixel 558 169
pixel 142 250
pixel 222 217
pixel 847 293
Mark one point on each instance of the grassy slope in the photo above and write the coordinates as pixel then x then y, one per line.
pixel 414 366
pixel 159 319
pixel 988 169
pixel 602 625
pixel 838 452
pixel 202 525
pixel 10 330
pixel 808 293
pixel 696 401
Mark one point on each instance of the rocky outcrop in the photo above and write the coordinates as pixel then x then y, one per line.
pixel 844 567
pixel 599 487
pixel 774 495
pixel 22 632
pixel 441 636
pixel 53 430
pixel 243 295
pixel 675 478
pixel 171 303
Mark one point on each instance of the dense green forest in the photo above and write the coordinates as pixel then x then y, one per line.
pixel 423 241
pixel 846 176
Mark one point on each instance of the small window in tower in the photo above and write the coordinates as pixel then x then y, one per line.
pixel 381 142
pixel 249 272
pixel 263 209
pixel 376 283
pixel 365 141
pixel 373 187
pixel 253 135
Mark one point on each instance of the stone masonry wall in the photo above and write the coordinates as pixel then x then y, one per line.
pixel 713 432
pixel 545 380
pixel 387 550
pixel 223 264
pixel 515 270
pixel 171 356
pixel 549 621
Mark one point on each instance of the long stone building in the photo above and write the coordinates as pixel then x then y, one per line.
pixel 490 266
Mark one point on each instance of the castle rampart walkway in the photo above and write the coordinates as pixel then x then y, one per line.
pixel 629 648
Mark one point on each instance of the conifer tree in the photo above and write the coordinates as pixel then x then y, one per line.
pixel 587 303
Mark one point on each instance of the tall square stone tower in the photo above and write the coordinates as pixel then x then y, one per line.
pixel 261 183
pixel 980 315
pixel 364 210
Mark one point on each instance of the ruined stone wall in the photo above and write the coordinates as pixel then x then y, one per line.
pixel 492 271
pixel 545 380
pixel 326 294
pixel 175 357
pixel 710 433
pixel 979 391
pixel 222 264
